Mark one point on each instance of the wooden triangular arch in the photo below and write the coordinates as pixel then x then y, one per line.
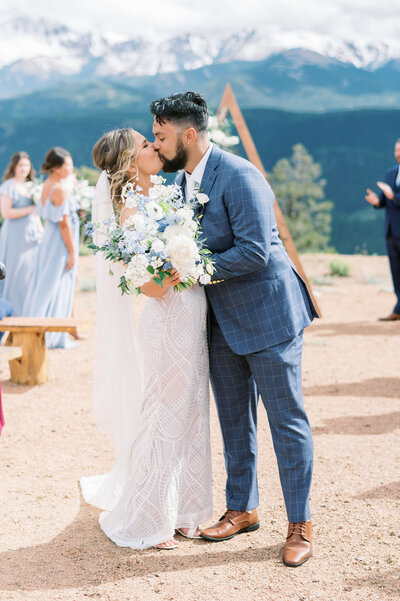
pixel 229 103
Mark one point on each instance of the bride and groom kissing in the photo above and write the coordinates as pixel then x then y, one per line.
pixel 243 331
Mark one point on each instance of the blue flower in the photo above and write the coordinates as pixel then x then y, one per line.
pixel 173 219
pixel 167 265
pixel 90 228
pixel 110 220
pixel 162 224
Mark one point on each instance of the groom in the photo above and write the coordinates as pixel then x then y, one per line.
pixel 258 308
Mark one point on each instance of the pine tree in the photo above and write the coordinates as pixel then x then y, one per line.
pixel 299 189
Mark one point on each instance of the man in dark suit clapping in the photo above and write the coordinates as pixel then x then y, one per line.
pixel 389 199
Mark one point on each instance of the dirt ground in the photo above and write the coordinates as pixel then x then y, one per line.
pixel 52 549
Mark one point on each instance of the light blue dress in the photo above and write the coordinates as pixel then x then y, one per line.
pixel 52 290
pixel 19 245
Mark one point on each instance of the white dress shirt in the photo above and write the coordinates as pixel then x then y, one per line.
pixel 398 178
pixel 194 179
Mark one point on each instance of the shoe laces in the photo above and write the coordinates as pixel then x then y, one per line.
pixel 297 528
pixel 229 514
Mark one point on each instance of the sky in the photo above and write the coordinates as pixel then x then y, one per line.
pixel 371 20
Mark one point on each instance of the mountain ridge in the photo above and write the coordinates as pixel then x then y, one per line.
pixel 39 53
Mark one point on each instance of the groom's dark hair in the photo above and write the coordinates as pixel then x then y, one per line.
pixel 187 108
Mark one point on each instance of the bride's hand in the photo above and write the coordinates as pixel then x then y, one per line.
pixel 154 290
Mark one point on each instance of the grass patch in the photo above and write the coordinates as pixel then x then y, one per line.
pixel 339 267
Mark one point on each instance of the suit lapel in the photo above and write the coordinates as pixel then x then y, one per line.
pixel 210 174
pixel 180 181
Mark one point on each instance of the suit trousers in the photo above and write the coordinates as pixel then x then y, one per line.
pixel 275 374
pixel 393 251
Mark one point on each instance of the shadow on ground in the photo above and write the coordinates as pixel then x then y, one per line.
pixel 374 387
pixel 360 424
pixel 387 491
pixel 379 583
pixel 82 556
pixel 361 328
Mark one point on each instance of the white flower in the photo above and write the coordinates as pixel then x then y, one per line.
pixel 184 254
pixel 130 202
pixel 185 213
pixel 210 268
pixel 154 210
pixel 213 122
pixel 157 262
pixel 205 278
pixel 136 274
pixel 220 138
pixel 157 180
pixel 157 246
pixel 202 198
pixel 139 222
pixel 171 231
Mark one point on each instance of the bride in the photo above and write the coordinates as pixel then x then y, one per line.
pixel 151 390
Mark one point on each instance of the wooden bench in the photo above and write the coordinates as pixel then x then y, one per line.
pixel 28 333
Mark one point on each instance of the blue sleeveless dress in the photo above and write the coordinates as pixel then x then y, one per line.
pixel 19 245
pixel 53 287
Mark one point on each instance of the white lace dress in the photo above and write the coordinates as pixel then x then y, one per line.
pixel 169 476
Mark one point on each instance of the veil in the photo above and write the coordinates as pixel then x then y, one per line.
pixel 118 366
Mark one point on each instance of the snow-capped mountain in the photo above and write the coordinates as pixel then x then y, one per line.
pixel 38 53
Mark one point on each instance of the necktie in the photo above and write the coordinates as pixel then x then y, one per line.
pixel 398 178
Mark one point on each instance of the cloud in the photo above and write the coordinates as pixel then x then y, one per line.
pixel 342 18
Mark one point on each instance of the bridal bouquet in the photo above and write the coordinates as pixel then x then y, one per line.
pixel 162 235
pixel 35 188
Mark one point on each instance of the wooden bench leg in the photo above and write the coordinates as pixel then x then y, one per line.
pixel 33 367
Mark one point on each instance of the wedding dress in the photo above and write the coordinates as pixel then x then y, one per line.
pixel 151 393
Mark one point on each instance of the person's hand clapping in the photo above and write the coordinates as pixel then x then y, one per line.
pixel 372 198
pixel 386 189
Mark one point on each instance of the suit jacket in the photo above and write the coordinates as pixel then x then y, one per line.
pixel 392 217
pixel 257 296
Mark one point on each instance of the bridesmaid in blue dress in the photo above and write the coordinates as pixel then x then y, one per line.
pixel 53 285
pixel 21 231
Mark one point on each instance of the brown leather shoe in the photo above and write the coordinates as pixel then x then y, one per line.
pixel 391 317
pixel 231 524
pixel 298 546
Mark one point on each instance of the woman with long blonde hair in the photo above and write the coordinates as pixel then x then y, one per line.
pixel 21 230
pixel 151 391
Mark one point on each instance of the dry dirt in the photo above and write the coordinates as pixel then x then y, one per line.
pixel 51 547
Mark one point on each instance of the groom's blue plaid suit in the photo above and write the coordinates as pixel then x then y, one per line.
pixel 259 307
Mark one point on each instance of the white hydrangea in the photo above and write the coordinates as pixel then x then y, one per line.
pixel 136 274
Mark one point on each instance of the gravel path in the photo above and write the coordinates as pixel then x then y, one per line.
pixel 51 547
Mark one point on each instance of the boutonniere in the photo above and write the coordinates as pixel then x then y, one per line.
pixel 200 198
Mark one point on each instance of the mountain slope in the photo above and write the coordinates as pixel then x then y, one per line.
pixel 354 147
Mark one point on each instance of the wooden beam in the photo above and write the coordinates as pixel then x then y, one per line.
pixel 229 103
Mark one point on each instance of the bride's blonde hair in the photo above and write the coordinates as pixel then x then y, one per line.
pixel 115 152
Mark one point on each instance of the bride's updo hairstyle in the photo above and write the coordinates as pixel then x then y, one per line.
pixel 114 153
pixel 55 157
